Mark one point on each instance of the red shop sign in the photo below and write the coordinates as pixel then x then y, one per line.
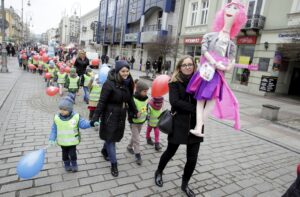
pixel 246 40
pixel 193 40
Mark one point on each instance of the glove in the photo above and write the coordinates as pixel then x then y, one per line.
pixel 51 143
pixel 94 123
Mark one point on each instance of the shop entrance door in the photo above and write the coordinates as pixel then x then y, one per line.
pixel 295 81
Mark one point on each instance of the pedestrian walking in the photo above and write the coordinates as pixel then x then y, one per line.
pixel 183 105
pixel 148 67
pixel 154 66
pixel 53 71
pixel 81 63
pixel 140 99
pixel 116 98
pixel 95 91
pixel 154 110
pixel 65 132
pixel 73 82
pixel 85 81
pixel 61 78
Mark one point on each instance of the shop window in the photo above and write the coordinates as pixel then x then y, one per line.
pixel 194 51
pixel 245 56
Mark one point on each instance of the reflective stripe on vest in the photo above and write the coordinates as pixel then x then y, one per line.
pixel 95 93
pixel 61 78
pixel 51 71
pixel 87 80
pixel 67 131
pixel 73 83
pixel 141 107
pixel 153 117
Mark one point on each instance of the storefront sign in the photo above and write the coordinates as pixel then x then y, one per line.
pixel 133 37
pixel 268 84
pixel 290 36
pixel 246 40
pixel 193 40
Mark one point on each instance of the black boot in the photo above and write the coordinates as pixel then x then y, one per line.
pixel 149 141
pixel 105 154
pixel 67 166
pixel 74 166
pixel 114 169
pixel 185 188
pixel 158 178
pixel 138 159
pixel 157 146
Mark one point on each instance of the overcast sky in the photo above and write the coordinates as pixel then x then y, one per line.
pixel 47 13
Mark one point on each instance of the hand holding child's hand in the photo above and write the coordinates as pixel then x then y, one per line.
pixel 51 143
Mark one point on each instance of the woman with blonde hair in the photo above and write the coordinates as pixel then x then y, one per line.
pixel 183 105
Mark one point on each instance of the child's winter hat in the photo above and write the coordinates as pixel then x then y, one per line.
pixel 88 70
pixel 72 71
pixel 140 86
pixel 67 103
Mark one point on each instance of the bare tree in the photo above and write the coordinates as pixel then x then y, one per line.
pixel 163 46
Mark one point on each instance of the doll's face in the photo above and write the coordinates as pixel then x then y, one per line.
pixel 230 11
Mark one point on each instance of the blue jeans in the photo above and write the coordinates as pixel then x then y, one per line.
pixel 86 93
pixel 111 151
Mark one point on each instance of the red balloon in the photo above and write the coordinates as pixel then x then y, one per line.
pixel 31 67
pixel 40 67
pixel 67 69
pixel 160 86
pixel 48 76
pixel 95 62
pixel 59 64
pixel 41 53
pixel 52 91
pixel 36 57
pixel 45 58
pixel 24 57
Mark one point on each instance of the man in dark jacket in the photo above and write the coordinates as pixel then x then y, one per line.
pixel 81 63
pixel 148 67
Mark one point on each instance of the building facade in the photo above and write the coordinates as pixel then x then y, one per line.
pixel 127 27
pixel 69 30
pixel 88 28
pixel 270 39
pixel 51 34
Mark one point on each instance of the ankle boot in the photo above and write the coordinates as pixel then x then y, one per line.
pixel 158 178
pixel 185 188
pixel 105 154
pixel 138 159
pixel 67 166
pixel 114 169
pixel 149 141
pixel 157 146
pixel 74 166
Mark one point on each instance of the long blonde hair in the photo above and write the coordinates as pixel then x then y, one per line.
pixel 175 77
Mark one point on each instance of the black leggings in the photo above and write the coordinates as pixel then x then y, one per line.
pixel 69 153
pixel 191 157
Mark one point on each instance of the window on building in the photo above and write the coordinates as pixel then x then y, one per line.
pixel 192 50
pixel 254 7
pixel 204 11
pixel 194 12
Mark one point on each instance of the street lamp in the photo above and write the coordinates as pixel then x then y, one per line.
pixel 28 4
pixel 4 68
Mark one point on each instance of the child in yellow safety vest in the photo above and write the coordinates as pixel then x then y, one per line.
pixel 95 91
pixel 52 70
pixel 154 111
pixel 140 99
pixel 73 82
pixel 61 78
pixel 65 132
pixel 85 81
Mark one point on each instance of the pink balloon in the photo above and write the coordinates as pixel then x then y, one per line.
pixel 52 91
pixel 160 86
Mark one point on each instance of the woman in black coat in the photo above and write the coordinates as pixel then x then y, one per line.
pixel 116 98
pixel 184 105
pixel 81 63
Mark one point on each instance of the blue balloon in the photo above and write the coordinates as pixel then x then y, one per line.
pixel 103 73
pixel 31 164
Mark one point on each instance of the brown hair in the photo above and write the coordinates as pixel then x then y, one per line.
pixel 175 77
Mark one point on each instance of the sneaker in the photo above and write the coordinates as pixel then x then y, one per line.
pixel 130 150
pixel 138 159
pixel 67 166
pixel 157 146
pixel 74 166
pixel 149 141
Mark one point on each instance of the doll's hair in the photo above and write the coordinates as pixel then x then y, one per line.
pixel 239 20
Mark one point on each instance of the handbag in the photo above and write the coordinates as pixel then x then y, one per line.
pixel 165 122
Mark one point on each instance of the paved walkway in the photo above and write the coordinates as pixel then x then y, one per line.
pixel 230 163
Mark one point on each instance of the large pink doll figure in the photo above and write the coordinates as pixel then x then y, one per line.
pixel 214 94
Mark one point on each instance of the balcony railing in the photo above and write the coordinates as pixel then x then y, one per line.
pixel 255 22
pixel 156 27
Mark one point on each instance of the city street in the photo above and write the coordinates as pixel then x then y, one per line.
pixel 260 160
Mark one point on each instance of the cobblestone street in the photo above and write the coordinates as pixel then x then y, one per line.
pixel 230 163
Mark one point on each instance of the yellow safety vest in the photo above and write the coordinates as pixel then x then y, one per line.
pixel 87 80
pixel 95 93
pixel 141 107
pixel 61 78
pixel 67 131
pixel 73 83
pixel 153 116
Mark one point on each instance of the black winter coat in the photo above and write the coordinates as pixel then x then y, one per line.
pixel 81 65
pixel 184 105
pixel 111 109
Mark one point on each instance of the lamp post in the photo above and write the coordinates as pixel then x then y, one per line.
pixel 28 4
pixel 4 68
